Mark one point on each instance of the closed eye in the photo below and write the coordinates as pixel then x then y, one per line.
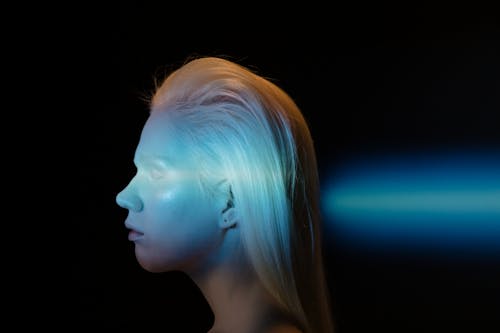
pixel 157 173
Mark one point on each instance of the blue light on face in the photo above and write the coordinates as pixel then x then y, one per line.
pixel 436 201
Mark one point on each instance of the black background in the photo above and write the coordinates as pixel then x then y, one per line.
pixel 368 80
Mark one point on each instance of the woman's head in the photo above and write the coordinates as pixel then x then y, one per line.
pixel 244 151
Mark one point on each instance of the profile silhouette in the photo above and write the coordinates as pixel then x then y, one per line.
pixel 227 191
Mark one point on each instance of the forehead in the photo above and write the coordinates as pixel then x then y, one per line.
pixel 160 139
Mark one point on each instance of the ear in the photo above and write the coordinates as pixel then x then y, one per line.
pixel 228 217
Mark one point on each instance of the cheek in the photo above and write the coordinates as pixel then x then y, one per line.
pixel 180 244
pixel 170 204
pixel 180 228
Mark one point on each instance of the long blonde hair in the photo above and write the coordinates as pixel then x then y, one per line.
pixel 247 130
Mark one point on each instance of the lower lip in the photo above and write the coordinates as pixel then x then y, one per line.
pixel 134 235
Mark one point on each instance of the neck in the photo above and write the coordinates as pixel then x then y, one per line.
pixel 238 300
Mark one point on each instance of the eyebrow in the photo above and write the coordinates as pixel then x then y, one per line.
pixel 153 158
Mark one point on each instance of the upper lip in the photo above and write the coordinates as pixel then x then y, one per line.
pixel 129 225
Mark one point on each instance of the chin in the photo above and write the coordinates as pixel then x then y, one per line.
pixel 153 265
pixel 147 263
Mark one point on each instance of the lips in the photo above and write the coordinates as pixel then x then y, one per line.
pixel 134 234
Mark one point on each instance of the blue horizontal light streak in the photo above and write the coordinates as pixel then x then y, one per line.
pixel 421 201
pixel 440 201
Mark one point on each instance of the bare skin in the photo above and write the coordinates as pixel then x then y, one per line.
pixel 176 226
pixel 237 298
pixel 285 328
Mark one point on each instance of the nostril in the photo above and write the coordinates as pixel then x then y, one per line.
pixel 136 206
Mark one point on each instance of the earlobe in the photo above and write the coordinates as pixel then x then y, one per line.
pixel 228 218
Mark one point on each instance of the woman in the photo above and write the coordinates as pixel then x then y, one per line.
pixel 227 191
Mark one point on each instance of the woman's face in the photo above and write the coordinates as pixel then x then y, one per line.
pixel 173 223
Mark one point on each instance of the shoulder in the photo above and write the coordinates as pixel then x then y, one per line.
pixel 284 328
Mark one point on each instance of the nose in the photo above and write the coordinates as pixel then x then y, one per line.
pixel 129 200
